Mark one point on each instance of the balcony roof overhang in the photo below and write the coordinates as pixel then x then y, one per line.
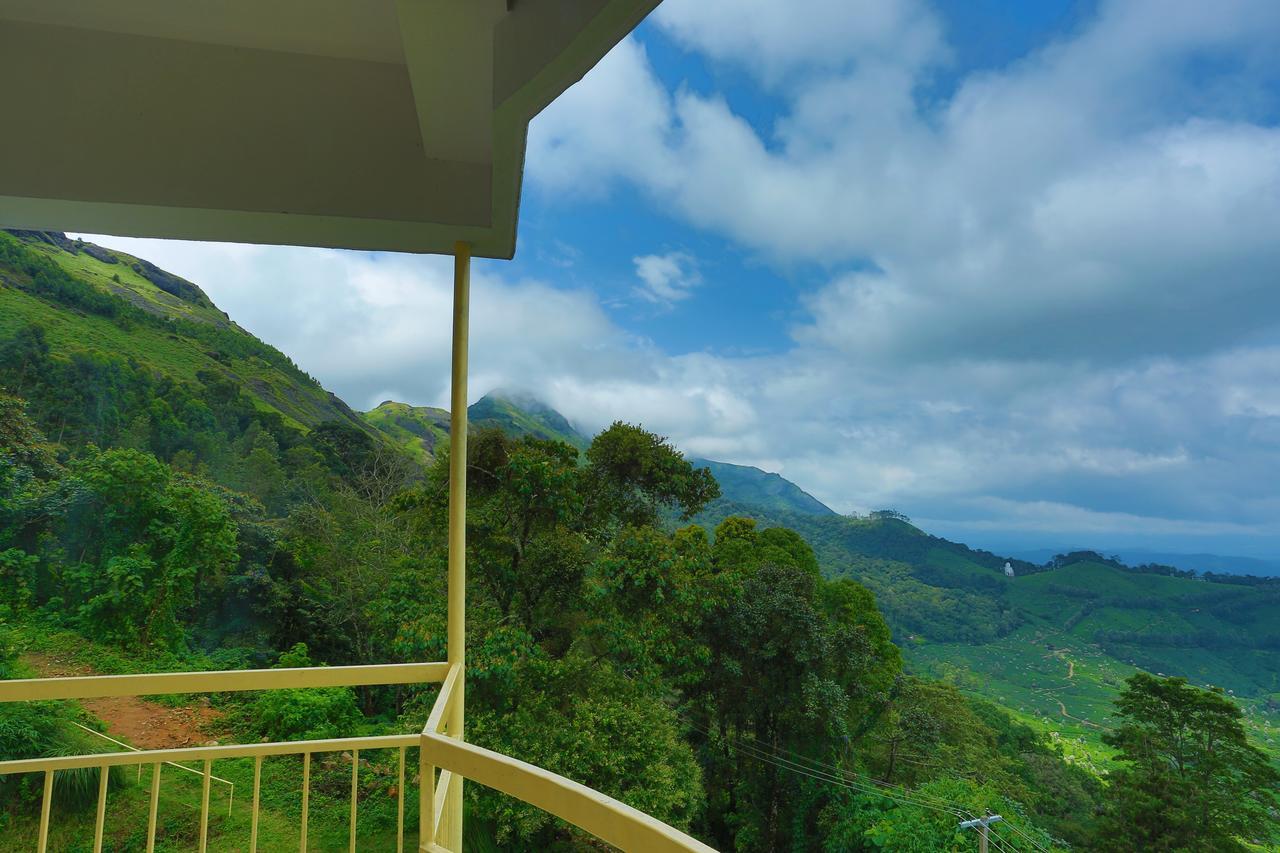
pixel 368 124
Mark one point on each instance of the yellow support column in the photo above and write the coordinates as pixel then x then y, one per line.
pixel 458 520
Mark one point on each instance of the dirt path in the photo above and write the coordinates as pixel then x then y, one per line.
pixel 146 725
pixel 1063 710
pixel 1061 654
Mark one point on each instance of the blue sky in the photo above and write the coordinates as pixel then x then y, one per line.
pixel 745 302
pixel 1007 267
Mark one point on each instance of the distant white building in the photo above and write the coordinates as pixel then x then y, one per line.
pixel 1008 569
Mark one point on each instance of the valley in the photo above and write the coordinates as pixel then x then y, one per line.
pixel 138 419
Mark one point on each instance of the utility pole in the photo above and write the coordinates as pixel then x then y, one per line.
pixel 981 824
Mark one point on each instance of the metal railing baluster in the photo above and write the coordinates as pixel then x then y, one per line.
pixel 257 798
pixel 355 779
pixel 426 800
pixel 46 805
pixel 400 807
pixel 155 806
pixel 306 798
pixel 444 760
pixel 104 773
pixel 441 792
pixel 204 806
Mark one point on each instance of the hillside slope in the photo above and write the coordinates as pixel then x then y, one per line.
pixel 520 414
pixel 174 329
pixel 422 430
pixel 1052 645
pixel 767 490
pixel 418 430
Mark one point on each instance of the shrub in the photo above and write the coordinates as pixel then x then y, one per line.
pixel 303 714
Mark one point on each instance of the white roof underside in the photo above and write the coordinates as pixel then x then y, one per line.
pixel 368 124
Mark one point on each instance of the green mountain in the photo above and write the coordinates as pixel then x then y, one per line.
pixel 748 485
pixel 90 299
pixel 418 430
pixel 951 607
pixel 421 430
pixel 520 414
pixel 146 389
pixel 1052 645
pixel 1219 563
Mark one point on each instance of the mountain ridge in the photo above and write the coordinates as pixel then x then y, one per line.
pixel 421 429
pixel 110 301
pixel 951 607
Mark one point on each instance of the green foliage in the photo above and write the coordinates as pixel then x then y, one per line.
pixel 183 514
pixel 635 475
pixel 43 730
pixel 145 539
pixel 591 724
pixel 1191 780
pixel 916 823
pixel 295 714
pixel 17 577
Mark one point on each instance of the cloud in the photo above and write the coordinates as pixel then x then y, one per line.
pixel 373 327
pixel 667 279
pixel 1161 445
pixel 1034 298
pixel 776 41
pixel 1093 188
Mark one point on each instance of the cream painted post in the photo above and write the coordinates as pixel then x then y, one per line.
pixel 458 521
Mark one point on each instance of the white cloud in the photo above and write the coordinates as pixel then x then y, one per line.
pixel 1159 445
pixel 778 40
pixel 1049 299
pixel 1095 185
pixel 373 326
pixel 667 279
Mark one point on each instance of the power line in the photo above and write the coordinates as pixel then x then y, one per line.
pixel 840 772
pixel 831 774
pixel 769 756
pixel 1026 836
pixel 831 769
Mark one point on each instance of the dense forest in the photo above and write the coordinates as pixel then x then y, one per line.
pixel 627 628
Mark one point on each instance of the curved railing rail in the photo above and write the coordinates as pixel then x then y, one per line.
pixel 604 817
pixel 444 760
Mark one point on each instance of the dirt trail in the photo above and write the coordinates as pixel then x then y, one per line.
pixel 1061 654
pixel 143 724
pixel 1063 710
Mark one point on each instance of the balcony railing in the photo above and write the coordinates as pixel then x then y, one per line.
pixel 444 759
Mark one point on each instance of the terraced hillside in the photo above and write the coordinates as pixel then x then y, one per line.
pixel 1052 645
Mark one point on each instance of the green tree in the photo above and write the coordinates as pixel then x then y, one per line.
pixel 143 540
pixel 582 719
pixel 927 820
pixel 1191 780
pixel 634 475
